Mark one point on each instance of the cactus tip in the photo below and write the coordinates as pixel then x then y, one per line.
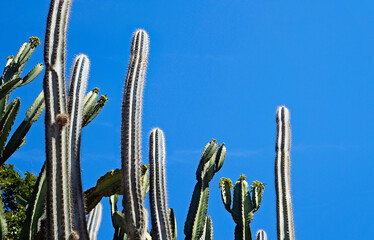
pixel 34 41
pixel 96 90
pixel 103 98
pixel 223 181
pixel 242 177
pixel 258 184
pixel 10 57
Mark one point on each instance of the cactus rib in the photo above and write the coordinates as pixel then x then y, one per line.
pixel 94 221
pixel 285 222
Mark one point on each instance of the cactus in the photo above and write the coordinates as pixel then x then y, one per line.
pixel 210 163
pixel 94 221
pixel 244 204
pixel 119 234
pixel 261 235
pixel 285 222
pixel 135 221
pixel 173 224
pixel 3 225
pixel 208 229
pixel 158 195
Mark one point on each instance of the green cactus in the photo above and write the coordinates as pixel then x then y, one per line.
pixel 3 225
pixel 94 221
pixel 285 224
pixel 208 229
pixel 244 204
pixel 210 163
pixel 173 224
pixel 158 195
pixel 135 221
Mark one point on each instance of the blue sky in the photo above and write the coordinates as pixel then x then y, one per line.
pixel 219 69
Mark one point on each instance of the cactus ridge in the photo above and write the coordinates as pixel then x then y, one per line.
pixel 158 194
pixel 285 223
pixel 131 135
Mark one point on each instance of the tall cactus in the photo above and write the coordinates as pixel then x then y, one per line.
pixel 158 195
pixel 94 221
pixel 285 222
pixel 63 128
pixel 210 163
pixel 261 235
pixel 244 204
pixel 135 219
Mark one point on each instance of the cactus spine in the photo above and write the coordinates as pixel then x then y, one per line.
pixel 285 222
pixel 261 235
pixel 94 221
pixel 158 195
pixel 135 219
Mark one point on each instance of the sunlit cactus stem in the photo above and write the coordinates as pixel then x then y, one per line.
pixel 94 221
pixel 261 235
pixel 135 220
pixel 158 195
pixel 285 223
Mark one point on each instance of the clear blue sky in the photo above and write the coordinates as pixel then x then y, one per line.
pixel 219 69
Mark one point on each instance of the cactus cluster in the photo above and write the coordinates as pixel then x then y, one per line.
pixel 58 206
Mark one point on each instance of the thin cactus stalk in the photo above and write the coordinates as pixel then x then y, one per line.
pixel 3 225
pixel 285 223
pixel 94 221
pixel 211 162
pixel 208 229
pixel 135 221
pixel 158 195
pixel 173 224
pixel 261 235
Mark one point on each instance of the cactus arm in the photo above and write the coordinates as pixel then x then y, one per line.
pixel 18 137
pixel 35 211
pixel 131 136
pixel 119 234
pixel 90 99
pixel 94 221
pixel 285 223
pixel 9 86
pixel 7 122
pixel 261 235
pixel 32 74
pixel 225 185
pixel 77 90
pixel 94 110
pixel 194 225
pixel 158 194
pixel 173 224
pixel 106 186
pixel 3 225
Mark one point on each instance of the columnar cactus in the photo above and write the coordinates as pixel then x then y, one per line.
pixel 94 221
pixel 158 195
pixel 244 204
pixel 285 222
pixel 261 235
pixel 135 219
pixel 210 163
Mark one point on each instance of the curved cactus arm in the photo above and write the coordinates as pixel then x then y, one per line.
pixel 173 224
pixel 3 225
pixel 94 221
pixel 7 122
pixel 131 136
pixel 158 195
pixel 194 225
pixel 32 74
pixel 106 186
pixel 90 99
pixel 261 235
pixel 91 106
pixel 18 137
pixel 9 86
pixel 77 91
pixel 35 211
pixel 285 223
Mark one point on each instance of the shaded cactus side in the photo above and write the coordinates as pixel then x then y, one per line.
pixel 285 223
pixel 210 163
pixel 245 203
pixel 94 220
pixel 158 195
pixel 135 220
